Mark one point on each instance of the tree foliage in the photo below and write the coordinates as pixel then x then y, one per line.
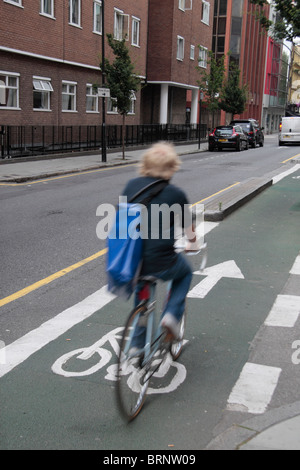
pixel 288 24
pixel 211 81
pixel 234 96
pixel 121 78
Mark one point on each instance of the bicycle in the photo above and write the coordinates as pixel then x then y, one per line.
pixel 136 366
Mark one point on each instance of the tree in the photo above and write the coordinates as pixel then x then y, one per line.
pixel 233 96
pixel 121 80
pixel 211 82
pixel 288 24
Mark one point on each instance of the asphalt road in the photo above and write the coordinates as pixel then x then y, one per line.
pixel 50 226
pixel 54 401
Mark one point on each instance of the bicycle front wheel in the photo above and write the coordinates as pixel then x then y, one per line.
pixel 132 379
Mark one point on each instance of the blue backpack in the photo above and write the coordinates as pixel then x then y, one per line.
pixel 125 244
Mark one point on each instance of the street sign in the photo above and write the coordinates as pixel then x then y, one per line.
pixel 104 92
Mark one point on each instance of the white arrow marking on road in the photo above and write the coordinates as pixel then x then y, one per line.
pixel 213 276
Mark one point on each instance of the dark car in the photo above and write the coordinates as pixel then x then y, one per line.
pixel 227 137
pixel 252 129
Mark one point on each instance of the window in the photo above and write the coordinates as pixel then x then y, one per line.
pixel 69 96
pixel 42 89
pixel 205 11
pixel 75 12
pixel 192 53
pixel 181 5
pixel 47 7
pixel 15 2
pixel 118 25
pixel 9 90
pixel 91 99
pixel 111 106
pixel 97 16
pixel 133 101
pixel 135 31
pixel 180 48
pixel 202 57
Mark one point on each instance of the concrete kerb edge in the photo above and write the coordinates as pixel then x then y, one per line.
pixel 238 435
pixel 24 179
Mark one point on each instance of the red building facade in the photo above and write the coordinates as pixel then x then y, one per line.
pixel 236 29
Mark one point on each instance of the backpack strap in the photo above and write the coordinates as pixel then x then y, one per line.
pixel 157 185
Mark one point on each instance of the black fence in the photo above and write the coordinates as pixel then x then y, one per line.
pixel 22 141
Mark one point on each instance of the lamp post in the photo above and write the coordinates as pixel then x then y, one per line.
pixel 103 84
pixel 200 110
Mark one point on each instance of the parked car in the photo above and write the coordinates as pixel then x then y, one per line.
pixel 227 137
pixel 252 129
pixel 289 130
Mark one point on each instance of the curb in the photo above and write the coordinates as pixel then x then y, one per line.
pixel 239 435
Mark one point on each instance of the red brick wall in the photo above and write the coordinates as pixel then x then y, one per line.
pixel 59 43
pixel 166 22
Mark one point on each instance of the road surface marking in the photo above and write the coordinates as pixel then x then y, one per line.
pixel 67 270
pixel 213 275
pixel 219 192
pixel 49 279
pixel 295 156
pixel 279 177
pixel 285 311
pixel 23 348
pixel 254 389
pixel 296 267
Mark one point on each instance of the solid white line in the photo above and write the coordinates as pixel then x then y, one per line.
pixel 24 347
pixel 278 178
pixel 296 267
pixel 285 311
pixel 254 389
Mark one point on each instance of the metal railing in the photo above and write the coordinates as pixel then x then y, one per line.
pixel 22 141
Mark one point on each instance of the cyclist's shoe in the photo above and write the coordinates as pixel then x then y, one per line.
pixel 171 326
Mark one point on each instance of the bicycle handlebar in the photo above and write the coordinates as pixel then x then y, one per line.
pixel 202 251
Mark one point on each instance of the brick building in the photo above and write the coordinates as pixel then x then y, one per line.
pixel 50 52
pixel 176 29
pixel 236 29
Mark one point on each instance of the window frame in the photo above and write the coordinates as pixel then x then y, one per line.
pixel 203 55
pixel 92 94
pixel 71 3
pixel 16 89
pixel 205 12
pixel 192 52
pixel 97 3
pixel 135 21
pixel 118 30
pixel 42 9
pixel 16 3
pixel 43 90
pixel 180 48
pixel 181 5
pixel 69 94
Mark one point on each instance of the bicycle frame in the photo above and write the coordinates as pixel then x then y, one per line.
pixel 147 297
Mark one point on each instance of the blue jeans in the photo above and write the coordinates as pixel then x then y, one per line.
pixel 181 275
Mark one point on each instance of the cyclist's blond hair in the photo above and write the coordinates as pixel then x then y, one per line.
pixel 160 161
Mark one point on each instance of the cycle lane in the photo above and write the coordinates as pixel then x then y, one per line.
pixel 42 409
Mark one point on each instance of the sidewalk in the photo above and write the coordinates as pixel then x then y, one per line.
pixel 276 429
pixel 23 170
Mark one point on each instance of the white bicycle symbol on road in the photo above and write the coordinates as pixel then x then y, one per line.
pixel 105 356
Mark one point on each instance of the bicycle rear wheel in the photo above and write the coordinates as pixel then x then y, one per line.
pixel 132 379
pixel 176 346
